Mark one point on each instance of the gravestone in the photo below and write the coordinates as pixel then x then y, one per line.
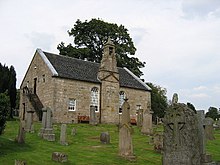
pixel 63 135
pixel 147 121
pixel 218 123
pixel 181 141
pixel 92 118
pixel 201 133
pixel 43 126
pixel 29 121
pixel 125 130
pixel 46 131
pixel 158 142
pixel 20 162
pixel 208 124
pixel 73 132
pixel 21 133
pixel 140 118
pixel 59 157
pixel 105 138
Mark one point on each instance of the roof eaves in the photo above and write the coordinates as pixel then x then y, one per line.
pixel 135 77
pixel 50 66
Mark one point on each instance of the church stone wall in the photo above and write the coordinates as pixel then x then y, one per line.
pixel 136 98
pixel 44 84
pixel 72 89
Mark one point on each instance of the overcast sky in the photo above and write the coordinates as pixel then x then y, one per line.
pixel 178 39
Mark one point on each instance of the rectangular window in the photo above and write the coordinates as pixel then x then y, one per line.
pixel 72 105
pixel 43 78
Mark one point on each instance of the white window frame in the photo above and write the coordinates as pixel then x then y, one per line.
pixel 72 105
pixel 94 98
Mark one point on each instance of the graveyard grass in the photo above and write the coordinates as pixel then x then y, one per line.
pixel 84 148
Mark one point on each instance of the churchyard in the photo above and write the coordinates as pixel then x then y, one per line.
pixel 84 147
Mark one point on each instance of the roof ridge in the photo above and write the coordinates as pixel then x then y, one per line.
pixel 71 57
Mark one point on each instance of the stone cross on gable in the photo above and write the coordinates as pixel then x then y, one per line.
pixel 176 124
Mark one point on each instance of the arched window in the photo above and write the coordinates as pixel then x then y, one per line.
pixel 95 98
pixel 121 100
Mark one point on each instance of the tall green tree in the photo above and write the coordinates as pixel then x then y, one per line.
pixel 90 37
pixel 12 89
pixel 4 109
pixel 213 113
pixel 8 83
pixel 159 102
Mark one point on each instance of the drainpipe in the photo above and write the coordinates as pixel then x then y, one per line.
pixel 100 103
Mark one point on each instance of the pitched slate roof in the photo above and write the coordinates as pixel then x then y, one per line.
pixel 72 68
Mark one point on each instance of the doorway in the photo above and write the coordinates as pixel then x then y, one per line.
pixel 35 85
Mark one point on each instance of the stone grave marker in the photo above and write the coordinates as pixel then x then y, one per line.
pixel 46 132
pixel 140 118
pixel 20 162
pixel 208 124
pixel 105 138
pixel 73 131
pixel 158 142
pixel 63 135
pixel 43 122
pixel 21 133
pixel 125 139
pixel 29 121
pixel 201 133
pixel 59 157
pixel 181 141
pixel 147 121
pixel 218 123
pixel 92 118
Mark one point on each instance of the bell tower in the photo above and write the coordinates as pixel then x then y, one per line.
pixel 109 77
pixel 108 63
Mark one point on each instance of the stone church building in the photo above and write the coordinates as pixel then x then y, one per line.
pixel 70 87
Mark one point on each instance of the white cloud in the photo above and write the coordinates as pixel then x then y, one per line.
pixel 200 88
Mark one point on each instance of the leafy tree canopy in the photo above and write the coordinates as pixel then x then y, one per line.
pixel 4 109
pixel 8 83
pixel 213 113
pixel 159 102
pixel 90 37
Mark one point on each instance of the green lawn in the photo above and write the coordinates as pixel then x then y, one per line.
pixel 83 149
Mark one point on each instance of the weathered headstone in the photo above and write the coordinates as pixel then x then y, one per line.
pixel 44 118
pixel 200 117
pixel 63 135
pixel 92 118
pixel 208 123
pixel 147 121
pixel 140 118
pixel 181 141
pixel 21 133
pixel 125 139
pixel 105 138
pixel 29 121
pixel 59 157
pixel 158 141
pixel 218 123
pixel 46 132
pixel 20 162
pixel 73 132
